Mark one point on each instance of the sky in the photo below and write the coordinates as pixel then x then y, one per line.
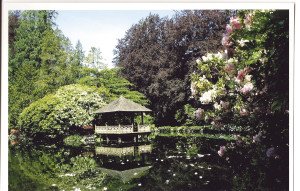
pixel 101 29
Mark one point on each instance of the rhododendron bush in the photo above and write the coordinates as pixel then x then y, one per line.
pixel 55 114
pixel 246 84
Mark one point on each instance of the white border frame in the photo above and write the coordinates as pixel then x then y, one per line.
pixel 134 6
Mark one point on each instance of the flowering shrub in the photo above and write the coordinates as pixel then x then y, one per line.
pixel 246 84
pixel 235 79
pixel 70 106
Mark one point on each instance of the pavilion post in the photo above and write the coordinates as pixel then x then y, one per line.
pixel 142 118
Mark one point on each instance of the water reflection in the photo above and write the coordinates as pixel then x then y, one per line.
pixel 165 163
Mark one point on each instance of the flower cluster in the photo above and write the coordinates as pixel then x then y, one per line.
pixel 222 151
pixel 209 96
pixel 199 114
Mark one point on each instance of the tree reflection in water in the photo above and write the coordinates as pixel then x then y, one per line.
pixel 168 163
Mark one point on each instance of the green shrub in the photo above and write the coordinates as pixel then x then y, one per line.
pixel 73 140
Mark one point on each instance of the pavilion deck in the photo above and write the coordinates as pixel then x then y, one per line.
pixel 122 129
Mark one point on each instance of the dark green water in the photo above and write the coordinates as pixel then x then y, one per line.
pixel 164 163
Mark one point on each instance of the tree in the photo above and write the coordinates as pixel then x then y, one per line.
pixel 13 21
pixel 78 54
pixel 111 80
pixel 40 61
pixel 94 59
pixel 156 56
pixel 25 59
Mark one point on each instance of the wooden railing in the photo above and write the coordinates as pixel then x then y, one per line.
pixel 121 129
pixel 115 151
pixel 123 150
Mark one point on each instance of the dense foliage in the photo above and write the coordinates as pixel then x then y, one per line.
pixel 113 82
pixel 55 114
pixel 247 84
pixel 41 61
pixel 157 56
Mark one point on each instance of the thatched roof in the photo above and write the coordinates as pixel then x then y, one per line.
pixel 124 105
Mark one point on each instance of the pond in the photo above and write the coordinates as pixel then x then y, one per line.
pixel 163 163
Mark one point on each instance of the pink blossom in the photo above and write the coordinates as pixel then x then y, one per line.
pixel 242 73
pixel 235 23
pixel 229 29
pixel 229 68
pixel 248 20
pixel 222 151
pixel 224 104
pixel 247 88
pixel 244 112
pixel 226 41
pixel 257 138
pixel 199 114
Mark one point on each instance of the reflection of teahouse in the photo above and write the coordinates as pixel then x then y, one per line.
pixel 124 162
pixel 116 121
pixel 122 151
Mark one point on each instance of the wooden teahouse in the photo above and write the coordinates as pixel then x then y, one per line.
pixel 116 121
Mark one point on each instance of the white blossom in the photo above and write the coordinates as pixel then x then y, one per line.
pixel 217 106
pixel 248 78
pixel 242 42
pixel 208 96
